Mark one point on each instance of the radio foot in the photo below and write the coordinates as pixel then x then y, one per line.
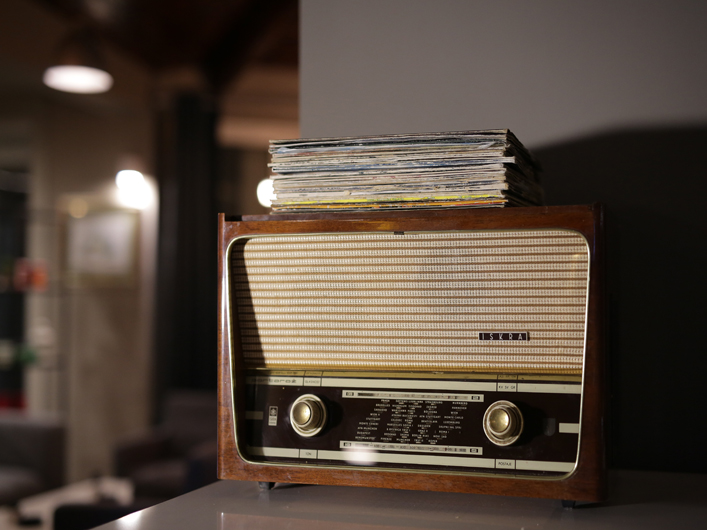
pixel 267 486
pixel 568 504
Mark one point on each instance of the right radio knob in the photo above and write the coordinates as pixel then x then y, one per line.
pixel 503 423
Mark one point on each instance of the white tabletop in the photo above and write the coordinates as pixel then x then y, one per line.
pixel 645 500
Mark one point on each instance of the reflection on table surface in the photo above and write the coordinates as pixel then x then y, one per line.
pixel 230 521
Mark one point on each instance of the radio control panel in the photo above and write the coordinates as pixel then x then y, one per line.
pixel 527 425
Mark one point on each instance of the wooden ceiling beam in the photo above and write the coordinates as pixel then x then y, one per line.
pixel 251 30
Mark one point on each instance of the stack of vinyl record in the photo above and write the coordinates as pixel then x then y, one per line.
pixel 436 170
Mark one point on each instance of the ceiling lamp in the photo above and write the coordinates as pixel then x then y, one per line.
pixel 79 66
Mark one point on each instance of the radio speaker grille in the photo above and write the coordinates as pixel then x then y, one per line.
pixel 413 301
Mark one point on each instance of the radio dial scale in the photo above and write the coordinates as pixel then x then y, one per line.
pixel 446 422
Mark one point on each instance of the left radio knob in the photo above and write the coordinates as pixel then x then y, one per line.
pixel 308 415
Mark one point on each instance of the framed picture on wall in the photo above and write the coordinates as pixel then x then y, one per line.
pixel 102 248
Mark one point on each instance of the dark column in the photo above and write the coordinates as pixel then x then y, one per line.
pixel 186 275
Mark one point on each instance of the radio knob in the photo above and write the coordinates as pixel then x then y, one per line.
pixel 308 415
pixel 503 423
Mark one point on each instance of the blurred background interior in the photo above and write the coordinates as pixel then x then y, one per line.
pixel 108 294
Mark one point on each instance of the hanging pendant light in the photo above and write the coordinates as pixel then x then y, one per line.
pixel 79 66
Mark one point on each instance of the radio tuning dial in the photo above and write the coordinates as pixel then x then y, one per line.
pixel 308 415
pixel 503 423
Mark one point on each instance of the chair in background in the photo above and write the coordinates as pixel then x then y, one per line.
pixel 176 456
pixel 31 456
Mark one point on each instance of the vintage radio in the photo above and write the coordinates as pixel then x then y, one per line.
pixel 448 350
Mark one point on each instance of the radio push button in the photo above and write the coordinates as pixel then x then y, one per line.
pixel 503 423
pixel 308 415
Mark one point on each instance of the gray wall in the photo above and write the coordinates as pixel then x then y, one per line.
pixel 612 97
pixel 548 70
